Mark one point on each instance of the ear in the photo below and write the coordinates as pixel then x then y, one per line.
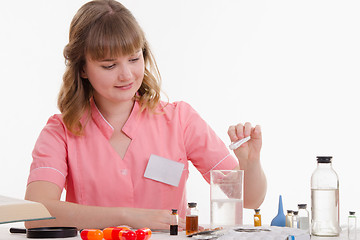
pixel 83 73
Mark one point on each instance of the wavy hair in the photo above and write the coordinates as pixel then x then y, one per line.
pixel 102 28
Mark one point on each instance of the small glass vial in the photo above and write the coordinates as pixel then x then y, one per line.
pixel 174 222
pixel 295 220
pixel 257 218
pixel 288 218
pixel 303 215
pixel 192 219
pixel 352 226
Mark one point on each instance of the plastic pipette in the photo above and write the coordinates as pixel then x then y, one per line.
pixel 235 145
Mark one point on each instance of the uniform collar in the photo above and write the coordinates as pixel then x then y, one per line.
pixel 129 128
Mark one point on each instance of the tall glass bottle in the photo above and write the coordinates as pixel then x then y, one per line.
pixel 325 199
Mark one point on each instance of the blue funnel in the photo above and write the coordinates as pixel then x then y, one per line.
pixel 279 220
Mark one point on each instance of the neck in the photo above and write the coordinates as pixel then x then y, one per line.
pixel 115 113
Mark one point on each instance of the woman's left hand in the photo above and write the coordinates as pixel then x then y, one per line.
pixel 248 152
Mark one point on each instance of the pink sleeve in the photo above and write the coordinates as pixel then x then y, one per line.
pixel 50 154
pixel 204 148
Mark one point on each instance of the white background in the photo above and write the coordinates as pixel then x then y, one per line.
pixel 290 66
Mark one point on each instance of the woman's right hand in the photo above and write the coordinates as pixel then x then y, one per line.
pixel 151 218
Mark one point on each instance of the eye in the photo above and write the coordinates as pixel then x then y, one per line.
pixel 134 59
pixel 108 67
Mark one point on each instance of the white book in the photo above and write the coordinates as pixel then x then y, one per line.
pixel 18 210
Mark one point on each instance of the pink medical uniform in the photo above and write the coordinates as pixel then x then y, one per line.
pixel 94 174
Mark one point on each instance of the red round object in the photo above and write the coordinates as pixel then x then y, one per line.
pixel 140 234
pixel 127 235
pixel 143 234
pixel 115 232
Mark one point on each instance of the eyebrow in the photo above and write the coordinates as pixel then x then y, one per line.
pixel 107 60
pixel 114 59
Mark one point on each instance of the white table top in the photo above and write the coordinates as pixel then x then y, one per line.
pixel 6 235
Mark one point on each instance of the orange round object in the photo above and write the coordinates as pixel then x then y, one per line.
pixel 91 234
pixel 108 233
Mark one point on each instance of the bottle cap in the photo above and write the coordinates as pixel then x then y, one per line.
pixel 192 204
pixel 289 211
pixel 257 210
pixel 173 211
pixel 352 213
pixel 324 159
pixel 295 212
pixel 302 205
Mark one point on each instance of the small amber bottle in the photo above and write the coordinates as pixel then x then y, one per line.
pixel 192 222
pixel 257 218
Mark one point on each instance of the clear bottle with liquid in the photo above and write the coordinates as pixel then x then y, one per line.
pixel 303 217
pixel 192 219
pixel 352 226
pixel 325 200
pixel 289 218
pixel 295 219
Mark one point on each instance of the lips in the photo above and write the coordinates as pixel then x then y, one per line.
pixel 125 87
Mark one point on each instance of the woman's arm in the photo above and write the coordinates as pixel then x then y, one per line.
pixel 81 216
pixel 248 154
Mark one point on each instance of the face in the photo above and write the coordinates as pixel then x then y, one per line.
pixel 115 80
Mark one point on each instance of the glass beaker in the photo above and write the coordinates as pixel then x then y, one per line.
pixel 226 198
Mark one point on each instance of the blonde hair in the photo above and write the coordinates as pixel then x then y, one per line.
pixel 101 29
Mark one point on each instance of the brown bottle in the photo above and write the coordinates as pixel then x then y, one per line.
pixel 192 219
pixel 174 222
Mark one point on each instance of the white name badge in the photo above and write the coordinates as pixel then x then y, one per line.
pixel 164 170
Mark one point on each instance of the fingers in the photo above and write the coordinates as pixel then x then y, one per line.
pixel 182 223
pixel 236 132
pixel 232 133
pixel 241 131
pixel 151 218
pixel 155 219
pixel 247 129
pixel 256 132
pixel 165 221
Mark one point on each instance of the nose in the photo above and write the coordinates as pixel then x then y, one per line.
pixel 124 73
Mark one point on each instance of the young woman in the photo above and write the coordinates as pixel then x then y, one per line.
pixel 119 151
